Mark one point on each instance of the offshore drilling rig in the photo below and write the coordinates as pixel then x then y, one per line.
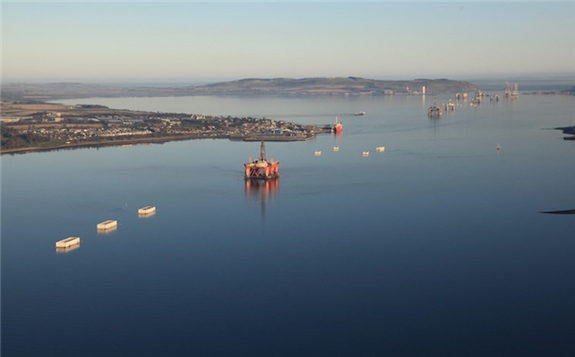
pixel 262 169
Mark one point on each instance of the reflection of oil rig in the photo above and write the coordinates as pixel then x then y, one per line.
pixel 262 169
pixel 265 189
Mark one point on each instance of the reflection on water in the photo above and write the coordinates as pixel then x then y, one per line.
pixel 263 190
pixel 106 231
pixel 146 215
pixel 67 249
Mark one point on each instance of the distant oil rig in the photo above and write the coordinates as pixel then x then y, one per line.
pixel 262 169
pixel 511 90
pixel 434 111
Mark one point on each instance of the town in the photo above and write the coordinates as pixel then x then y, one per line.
pixel 32 126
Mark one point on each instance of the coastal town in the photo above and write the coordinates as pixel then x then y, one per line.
pixel 34 126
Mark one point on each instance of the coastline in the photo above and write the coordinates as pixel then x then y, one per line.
pixel 153 140
pixel 108 143
pixel 35 127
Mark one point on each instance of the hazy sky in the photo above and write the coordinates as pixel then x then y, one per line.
pixel 200 41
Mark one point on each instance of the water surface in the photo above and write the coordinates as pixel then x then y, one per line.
pixel 434 247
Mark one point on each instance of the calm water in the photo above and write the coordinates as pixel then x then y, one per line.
pixel 434 247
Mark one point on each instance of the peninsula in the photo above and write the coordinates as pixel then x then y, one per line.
pixel 30 127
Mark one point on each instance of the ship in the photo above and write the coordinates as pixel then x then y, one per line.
pixel 338 126
pixel 262 169
pixel 359 114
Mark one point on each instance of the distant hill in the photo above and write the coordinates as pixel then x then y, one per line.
pixel 351 86
pixel 333 86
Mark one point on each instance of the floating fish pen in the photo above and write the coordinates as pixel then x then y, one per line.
pixel 67 243
pixel 262 169
pixel 365 153
pixel 434 111
pixel 147 211
pixel 380 149
pixel 107 225
pixel 317 153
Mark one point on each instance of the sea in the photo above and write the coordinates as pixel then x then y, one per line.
pixel 436 246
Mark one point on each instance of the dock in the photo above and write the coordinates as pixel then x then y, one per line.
pixel 107 225
pixel 272 137
pixel 67 243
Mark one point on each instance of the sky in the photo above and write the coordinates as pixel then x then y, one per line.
pixel 211 41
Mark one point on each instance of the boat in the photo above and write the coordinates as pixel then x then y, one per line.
pixel 365 153
pixel 68 242
pixel 380 149
pixel 318 153
pixel 359 114
pixel 338 126
pixel 107 225
pixel 336 148
pixel 147 211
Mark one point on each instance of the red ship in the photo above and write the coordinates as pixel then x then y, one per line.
pixel 338 126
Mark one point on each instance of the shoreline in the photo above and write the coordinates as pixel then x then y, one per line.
pixel 152 140
pixel 47 127
pixel 107 143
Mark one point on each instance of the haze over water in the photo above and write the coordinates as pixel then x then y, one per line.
pixel 434 247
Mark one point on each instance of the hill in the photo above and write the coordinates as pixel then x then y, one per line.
pixel 351 86
pixel 333 86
